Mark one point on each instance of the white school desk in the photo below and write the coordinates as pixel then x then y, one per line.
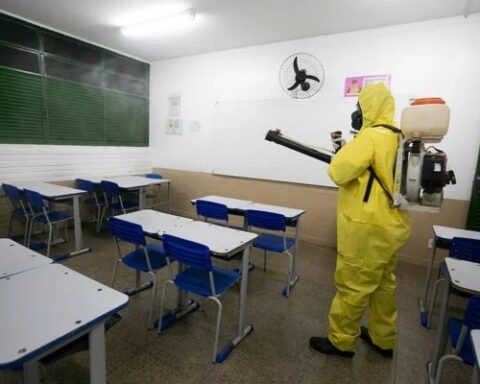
pixel 465 277
pixel 223 243
pixel 292 216
pixel 15 258
pixel 232 204
pixel 154 222
pixel 135 183
pixel 54 193
pixel 441 235
pixel 475 334
pixel 34 325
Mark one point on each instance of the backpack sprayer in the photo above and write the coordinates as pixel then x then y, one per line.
pixel 420 172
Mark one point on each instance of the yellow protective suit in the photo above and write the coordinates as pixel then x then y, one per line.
pixel 368 234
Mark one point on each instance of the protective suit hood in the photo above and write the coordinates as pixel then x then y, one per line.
pixel 377 104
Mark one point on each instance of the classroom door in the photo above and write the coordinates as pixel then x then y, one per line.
pixel 473 221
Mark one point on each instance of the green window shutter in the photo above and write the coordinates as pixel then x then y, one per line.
pixel 20 107
pixel 127 120
pixel 76 113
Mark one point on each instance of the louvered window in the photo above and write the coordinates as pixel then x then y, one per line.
pixel 58 90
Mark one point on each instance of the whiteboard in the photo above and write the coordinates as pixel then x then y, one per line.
pixel 237 147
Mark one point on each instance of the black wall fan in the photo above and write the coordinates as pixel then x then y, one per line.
pixel 301 75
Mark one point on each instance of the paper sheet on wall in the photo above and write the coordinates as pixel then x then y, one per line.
pixel 174 105
pixel 173 126
pixel 195 126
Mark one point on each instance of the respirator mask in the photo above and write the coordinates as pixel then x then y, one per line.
pixel 357 118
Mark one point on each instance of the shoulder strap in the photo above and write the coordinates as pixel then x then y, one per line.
pixel 390 127
pixel 373 175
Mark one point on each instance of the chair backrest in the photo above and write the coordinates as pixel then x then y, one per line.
pixel 85 185
pixel 472 314
pixel 12 192
pixel 154 176
pixel 110 188
pixel 129 232
pixel 187 252
pixel 34 199
pixel 266 220
pixel 465 249
pixel 212 210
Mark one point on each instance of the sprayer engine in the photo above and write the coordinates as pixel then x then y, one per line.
pixel 421 173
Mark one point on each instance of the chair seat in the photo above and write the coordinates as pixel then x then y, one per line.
pixel 127 204
pixel 54 217
pixel 197 281
pixel 137 261
pixel 91 201
pixel 455 326
pixel 272 242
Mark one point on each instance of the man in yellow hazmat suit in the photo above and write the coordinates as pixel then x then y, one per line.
pixel 369 231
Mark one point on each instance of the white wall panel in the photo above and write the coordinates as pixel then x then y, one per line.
pixel 58 162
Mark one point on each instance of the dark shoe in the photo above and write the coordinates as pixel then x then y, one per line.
pixel 366 337
pixel 323 345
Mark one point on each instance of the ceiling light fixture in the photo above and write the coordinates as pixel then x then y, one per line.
pixel 165 24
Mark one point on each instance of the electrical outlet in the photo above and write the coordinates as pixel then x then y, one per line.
pixel 430 243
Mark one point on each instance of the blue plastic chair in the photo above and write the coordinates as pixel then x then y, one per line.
pixel 460 248
pixel 460 339
pixel 211 210
pixel 154 176
pixel 271 242
pixel 19 210
pixel 41 215
pixel 145 258
pixel 200 277
pixel 94 201
pixel 114 200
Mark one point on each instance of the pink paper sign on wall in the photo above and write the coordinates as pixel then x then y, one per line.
pixel 354 84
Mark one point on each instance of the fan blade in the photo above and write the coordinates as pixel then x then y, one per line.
pixel 295 65
pixel 294 86
pixel 312 78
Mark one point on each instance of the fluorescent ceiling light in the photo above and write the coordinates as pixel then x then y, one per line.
pixel 128 16
pixel 161 25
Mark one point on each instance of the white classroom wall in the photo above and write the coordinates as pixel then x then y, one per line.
pixel 433 58
pixel 67 162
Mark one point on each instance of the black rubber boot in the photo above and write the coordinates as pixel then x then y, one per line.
pixel 323 345
pixel 366 337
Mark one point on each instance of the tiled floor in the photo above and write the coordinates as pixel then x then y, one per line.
pixel 276 352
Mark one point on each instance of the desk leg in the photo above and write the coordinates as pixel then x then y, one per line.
pixel 423 302
pixel 169 197
pixel 141 198
pixel 31 372
pixel 243 330
pixel 98 366
pixel 242 313
pixel 475 374
pixel 77 224
pixel 442 335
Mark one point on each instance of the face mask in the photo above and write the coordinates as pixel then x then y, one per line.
pixel 357 118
